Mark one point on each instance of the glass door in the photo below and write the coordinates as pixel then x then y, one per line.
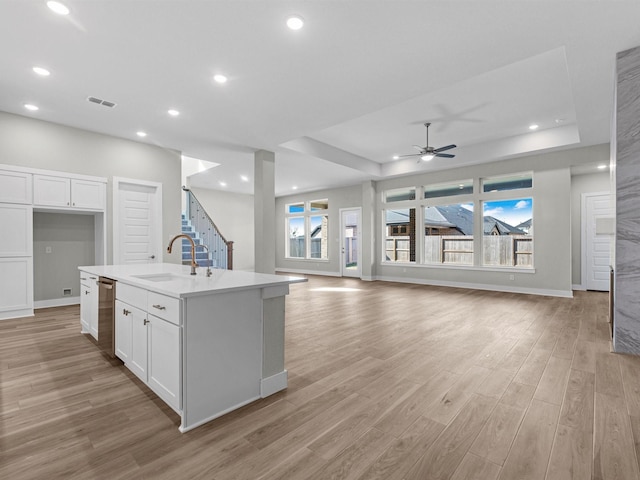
pixel 350 242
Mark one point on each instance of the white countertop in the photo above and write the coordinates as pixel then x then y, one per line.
pixel 175 280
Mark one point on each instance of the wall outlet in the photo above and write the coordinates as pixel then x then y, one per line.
pixel 66 292
pixel 47 249
pixel 512 277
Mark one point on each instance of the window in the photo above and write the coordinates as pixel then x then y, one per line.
pixel 400 235
pixel 507 182
pixel 464 187
pixel 508 232
pixel 307 230
pixel 400 194
pixel 448 234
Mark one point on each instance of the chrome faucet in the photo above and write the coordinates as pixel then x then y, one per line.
pixel 209 261
pixel 194 264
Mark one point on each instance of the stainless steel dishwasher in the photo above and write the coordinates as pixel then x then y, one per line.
pixel 106 315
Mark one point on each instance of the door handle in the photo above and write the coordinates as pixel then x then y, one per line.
pixel 152 257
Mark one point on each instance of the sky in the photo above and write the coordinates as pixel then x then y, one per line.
pixel 512 212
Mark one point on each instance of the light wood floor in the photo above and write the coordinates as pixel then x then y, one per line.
pixel 387 381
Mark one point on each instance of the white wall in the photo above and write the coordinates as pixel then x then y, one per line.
pixel 591 183
pixel 233 214
pixel 34 143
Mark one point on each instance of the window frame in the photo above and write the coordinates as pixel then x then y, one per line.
pixel 477 197
pixel 306 215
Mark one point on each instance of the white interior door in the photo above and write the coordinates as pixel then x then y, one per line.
pixel 350 242
pixel 597 256
pixel 137 221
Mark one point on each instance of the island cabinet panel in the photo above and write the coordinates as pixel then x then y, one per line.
pixel 223 354
pixel 89 304
pixel 123 332
pixel 139 343
pixel 164 360
pixel 148 345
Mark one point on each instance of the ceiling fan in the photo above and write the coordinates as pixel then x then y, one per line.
pixel 427 152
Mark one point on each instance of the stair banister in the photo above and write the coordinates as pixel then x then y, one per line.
pixel 221 249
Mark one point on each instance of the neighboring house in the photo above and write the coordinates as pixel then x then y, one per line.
pixel 526 226
pixel 448 220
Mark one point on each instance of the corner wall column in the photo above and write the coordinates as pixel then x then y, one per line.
pixel 264 205
pixel 626 160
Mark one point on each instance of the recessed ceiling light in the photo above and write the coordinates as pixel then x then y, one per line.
pixel 396 157
pixel 294 187
pixel 244 178
pixel 223 184
pixel 42 71
pixel 173 113
pixel 601 167
pixel 295 22
pixel 58 8
pixel 141 134
pixel 31 107
pixel 220 78
pixel 559 120
pixel 533 127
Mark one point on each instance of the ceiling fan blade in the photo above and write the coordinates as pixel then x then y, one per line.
pixel 410 155
pixel 442 149
pixel 444 155
pixel 419 147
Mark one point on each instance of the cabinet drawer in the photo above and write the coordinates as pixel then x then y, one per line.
pixel 164 307
pixel 132 295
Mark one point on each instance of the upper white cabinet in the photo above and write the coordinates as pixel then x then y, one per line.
pixel 53 191
pixel 15 187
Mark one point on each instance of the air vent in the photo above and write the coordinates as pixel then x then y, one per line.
pixel 99 101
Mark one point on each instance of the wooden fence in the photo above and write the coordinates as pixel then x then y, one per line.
pixel 498 250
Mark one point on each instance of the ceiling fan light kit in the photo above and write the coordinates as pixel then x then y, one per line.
pixel 427 153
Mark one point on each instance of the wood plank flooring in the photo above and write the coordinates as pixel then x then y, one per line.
pixel 386 381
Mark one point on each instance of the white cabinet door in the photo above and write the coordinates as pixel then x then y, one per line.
pixel 93 307
pixel 123 331
pixel 16 230
pixel 16 287
pixel 139 343
pixel 164 360
pixel 85 304
pixel 87 194
pixel 15 187
pixel 51 191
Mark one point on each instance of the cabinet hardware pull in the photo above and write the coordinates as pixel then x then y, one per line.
pixel 83 278
pixel 86 292
pixel 93 278
pixel 146 321
pixel 159 307
pixel 125 311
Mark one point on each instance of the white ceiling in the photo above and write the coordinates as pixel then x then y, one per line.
pixel 335 100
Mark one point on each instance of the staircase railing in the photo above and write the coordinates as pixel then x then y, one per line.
pixel 221 249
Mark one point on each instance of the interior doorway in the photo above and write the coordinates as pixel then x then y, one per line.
pixel 137 221
pixel 597 229
pixel 350 242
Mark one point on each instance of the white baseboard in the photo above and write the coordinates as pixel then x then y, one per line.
pixel 273 384
pixel 308 272
pixel 56 302
pixel 481 286
pixel 578 287
pixel 11 314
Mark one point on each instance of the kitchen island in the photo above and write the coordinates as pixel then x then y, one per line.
pixel 204 345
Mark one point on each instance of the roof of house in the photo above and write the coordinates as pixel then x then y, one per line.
pixel 525 224
pixel 453 216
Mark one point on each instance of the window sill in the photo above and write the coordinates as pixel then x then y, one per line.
pixel 460 267
pixel 315 260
